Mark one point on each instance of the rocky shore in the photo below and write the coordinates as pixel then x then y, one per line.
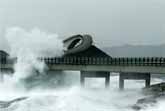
pixel 153 94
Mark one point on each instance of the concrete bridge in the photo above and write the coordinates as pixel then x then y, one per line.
pixel 128 68
pixel 92 62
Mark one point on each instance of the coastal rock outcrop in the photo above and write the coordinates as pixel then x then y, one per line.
pixel 153 94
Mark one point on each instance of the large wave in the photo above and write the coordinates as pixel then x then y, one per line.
pixel 27 46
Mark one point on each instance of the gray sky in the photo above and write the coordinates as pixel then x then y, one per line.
pixel 111 22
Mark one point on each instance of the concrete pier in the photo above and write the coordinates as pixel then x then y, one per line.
pixel 94 74
pixel 4 72
pixel 134 76
pixel 58 75
pixel 1 77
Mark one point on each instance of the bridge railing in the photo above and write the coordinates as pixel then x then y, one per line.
pixel 78 60
pixel 122 61
pixel 3 60
pixel 145 61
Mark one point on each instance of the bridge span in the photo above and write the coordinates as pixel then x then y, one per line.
pixel 153 65
pixel 128 68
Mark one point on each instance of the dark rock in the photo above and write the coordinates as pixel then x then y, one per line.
pixel 6 104
pixel 153 94
pixel 144 102
pixel 136 107
pixel 155 89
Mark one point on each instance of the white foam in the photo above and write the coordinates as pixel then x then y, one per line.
pixel 27 46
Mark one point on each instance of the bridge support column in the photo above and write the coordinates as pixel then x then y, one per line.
pixel 59 76
pixel 134 76
pixel 148 80
pixel 1 77
pixel 92 74
pixel 121 81
pixel 107 79
pixel 82 78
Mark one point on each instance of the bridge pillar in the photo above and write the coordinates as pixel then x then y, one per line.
pixel 148 80
pixel 107 79
pixel 1 77
pixel 58 75
pixel 96 74
pixel 121 81
pixel 82 78
pixel 134 76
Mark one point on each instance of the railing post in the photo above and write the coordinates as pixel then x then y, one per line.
pixel 78 60
pixel 98 60
pixel 67 62
pixel 119 61
pixel 74 59
pixel 148 61
pixel 82 78
pixel 160 61
pixel 152 60
pixel 70 60
pixel 51 61
pixel 135 61
pixel 163 61
pixel 115 61
pixel 106 60
pixel 61 60
pixel 85 61
pixel 148 80
pixel 156 61
pixel 89 60
pixel 48 60
pixel 126 61
pixel 58 60
pixel 54 60
pixel 44 60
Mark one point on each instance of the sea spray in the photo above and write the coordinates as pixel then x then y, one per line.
pixel 35 41
pixel 27 46
pixel 80 99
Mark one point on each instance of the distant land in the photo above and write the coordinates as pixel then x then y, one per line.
pixel 136 51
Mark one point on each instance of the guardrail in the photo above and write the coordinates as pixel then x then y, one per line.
pixel 78 60
pixel 145 61
pixel 154 61
pixel 3 60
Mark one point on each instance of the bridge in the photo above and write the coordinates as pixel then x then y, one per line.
pixel 99 66
pixel 129 68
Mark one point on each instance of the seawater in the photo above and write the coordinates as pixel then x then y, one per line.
pixel 93 97
pixel 43 92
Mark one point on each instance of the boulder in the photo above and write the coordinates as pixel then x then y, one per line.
pixel 153 94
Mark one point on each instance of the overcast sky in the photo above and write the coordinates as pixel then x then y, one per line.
pixel 111 22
